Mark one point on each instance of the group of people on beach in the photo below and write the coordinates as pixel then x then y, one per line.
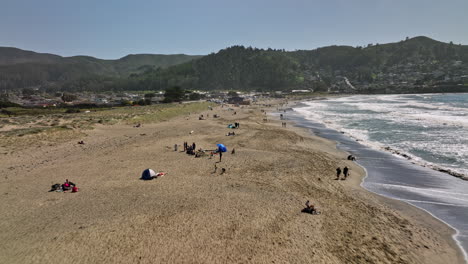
pixel 66 186
pixel 189 149
pixel 345 173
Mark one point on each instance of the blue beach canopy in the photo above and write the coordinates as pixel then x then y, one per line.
pixel 221 148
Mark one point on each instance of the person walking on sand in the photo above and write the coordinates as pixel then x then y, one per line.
pixel 338 173
pixel 220 156
pixel 194 146
pixel 345 172
pixel 175 147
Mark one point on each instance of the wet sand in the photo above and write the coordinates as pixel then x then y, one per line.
pixel 250 214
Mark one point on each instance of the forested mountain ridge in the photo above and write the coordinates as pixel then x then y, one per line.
pixel 403 66
pixel 20 68
pixel 407 62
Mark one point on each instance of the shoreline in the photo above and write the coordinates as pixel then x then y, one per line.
pixel 391 150
pixel 408 209
pixel 250 213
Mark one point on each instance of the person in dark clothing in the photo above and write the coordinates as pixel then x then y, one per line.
pixel 345 172
pixel 338 173
pixel 185 146
pixel 220 156
pixel 194 146
pixel 190 150
pixel 310 208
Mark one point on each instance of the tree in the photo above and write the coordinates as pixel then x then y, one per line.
pixel 174 94
pixel 194 96
pixel 150 95
pixel 126 103
pixel 28 92
pixel 68 97
pixel 143 102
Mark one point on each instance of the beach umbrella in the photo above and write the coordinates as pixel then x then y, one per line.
pixel 221 148
pixel 148 174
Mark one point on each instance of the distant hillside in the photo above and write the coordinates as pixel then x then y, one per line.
pixel 9 56
pixel 240 68
pixel 412 65
pixel 20 68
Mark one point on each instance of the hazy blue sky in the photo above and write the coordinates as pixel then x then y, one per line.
pixel 112 29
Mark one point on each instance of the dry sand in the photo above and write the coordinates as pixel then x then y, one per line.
pixel 250 214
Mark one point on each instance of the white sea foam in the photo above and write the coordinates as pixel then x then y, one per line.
pixel 427 125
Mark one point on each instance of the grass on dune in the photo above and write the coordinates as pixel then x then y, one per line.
pixel 57 126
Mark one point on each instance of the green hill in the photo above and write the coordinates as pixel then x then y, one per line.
pixel 9 56
pixel 242 68
pixel 20 68
pixel 403 66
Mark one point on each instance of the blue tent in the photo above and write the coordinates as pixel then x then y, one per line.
pixel 221 148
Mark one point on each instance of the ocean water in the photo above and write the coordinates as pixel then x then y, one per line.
pixel 432 129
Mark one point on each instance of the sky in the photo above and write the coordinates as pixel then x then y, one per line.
pixel 112 29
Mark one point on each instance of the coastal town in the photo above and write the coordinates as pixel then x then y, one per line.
pixel 413 77
pixel 418 76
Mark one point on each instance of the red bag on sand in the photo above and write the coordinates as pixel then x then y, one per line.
pixel 74 189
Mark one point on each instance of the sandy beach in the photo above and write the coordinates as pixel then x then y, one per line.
pixel 194 214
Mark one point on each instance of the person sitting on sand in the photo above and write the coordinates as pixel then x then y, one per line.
pixel 67 185
pixel 310 208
